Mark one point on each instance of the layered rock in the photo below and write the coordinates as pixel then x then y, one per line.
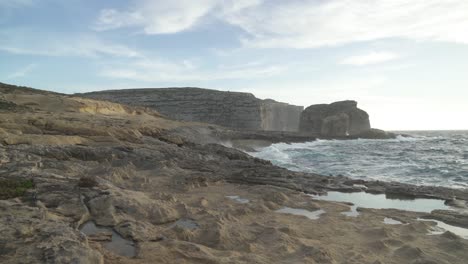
pixel 337 119
pixel 229 109
pixel 277 116
pixel 149 180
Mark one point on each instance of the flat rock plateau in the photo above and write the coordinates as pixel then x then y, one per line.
pixel 162 191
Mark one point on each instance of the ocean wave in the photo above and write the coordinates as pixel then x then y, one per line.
pixel 420 159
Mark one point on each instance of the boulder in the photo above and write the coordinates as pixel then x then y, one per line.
pixel 375 134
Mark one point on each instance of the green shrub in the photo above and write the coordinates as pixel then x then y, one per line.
pixel 11 188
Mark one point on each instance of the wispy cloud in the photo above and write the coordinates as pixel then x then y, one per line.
pixel 120 62
pixel 169 16
pixel 310 23
pixel 113 19
pixel 43 44
pixel 370 58
pixel 157 17
pixel 21 72
pixel 302 23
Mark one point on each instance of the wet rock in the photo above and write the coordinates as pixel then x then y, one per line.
pixel 456 218
pixel 147 181
pixel 27 233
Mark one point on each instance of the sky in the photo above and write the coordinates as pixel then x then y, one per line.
pixel 404 61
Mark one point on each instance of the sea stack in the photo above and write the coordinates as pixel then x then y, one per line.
pixel 337 119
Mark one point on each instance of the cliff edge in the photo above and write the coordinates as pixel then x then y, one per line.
pixel 234 110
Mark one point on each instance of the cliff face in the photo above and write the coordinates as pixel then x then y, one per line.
pixel 277 116
pixel 336 119
pixel 228 109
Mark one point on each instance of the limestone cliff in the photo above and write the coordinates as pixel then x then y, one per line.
pixel 277 116
pixel 336 119
pixel 229 109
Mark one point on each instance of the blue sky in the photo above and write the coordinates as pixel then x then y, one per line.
pixel 405 62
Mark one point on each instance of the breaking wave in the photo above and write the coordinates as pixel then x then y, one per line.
pixel 436 158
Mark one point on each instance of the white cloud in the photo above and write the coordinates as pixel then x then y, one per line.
pixel 112 19
pixel 311 23
pixel 169 16
pixel 42 44
pixel 303 23
pixel 21 72
pixel 120 62
pixel 157 17
pixel 370 58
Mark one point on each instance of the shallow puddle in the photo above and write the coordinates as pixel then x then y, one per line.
pixel 238 199
pixel 391 221
pixel 380 201
pixel 442 227
pixel 314 215
pixel 118 244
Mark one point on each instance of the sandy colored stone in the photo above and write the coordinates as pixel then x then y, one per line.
pixel 169 196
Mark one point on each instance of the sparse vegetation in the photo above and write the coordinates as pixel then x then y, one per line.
pixel 87 182
pixel 10 188
pixel 6 105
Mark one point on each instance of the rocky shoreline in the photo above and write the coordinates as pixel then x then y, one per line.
pixel 164 187
pixel 248 116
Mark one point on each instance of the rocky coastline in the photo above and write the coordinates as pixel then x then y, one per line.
pixel 249 116
pixel 234 110
pixel 155 190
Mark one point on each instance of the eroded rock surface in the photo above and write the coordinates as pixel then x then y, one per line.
pixel 162 185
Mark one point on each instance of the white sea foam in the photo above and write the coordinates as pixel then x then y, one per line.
pixel 431 158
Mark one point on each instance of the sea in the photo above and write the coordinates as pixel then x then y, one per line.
pixel 435 158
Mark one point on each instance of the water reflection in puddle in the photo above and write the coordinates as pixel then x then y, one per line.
pixel 238 199
pixel 442 227
pixel 118 244
pixel 380 201
pixel 314 215
pixel 391 221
